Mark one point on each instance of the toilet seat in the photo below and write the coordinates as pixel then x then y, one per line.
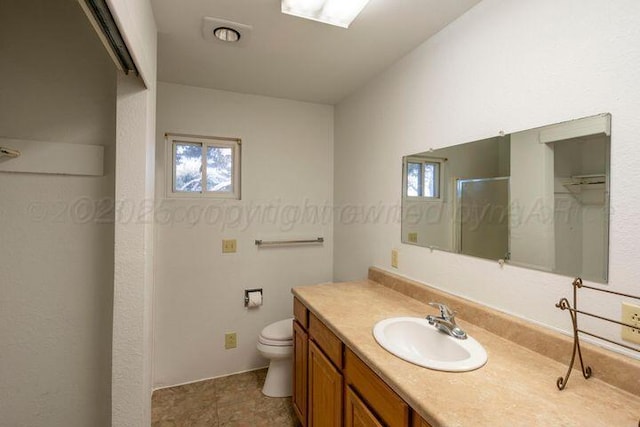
pixel 276 343
pixel 281 330
pixel 278 334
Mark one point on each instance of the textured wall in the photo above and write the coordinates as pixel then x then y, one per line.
pixel 287 156
pixel 56 268
pixel 133 259
pixel 504 65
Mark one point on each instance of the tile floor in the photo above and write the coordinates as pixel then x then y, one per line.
pixel 235 401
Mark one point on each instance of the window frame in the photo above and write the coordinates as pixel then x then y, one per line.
pixel 172 139
pixel 438 178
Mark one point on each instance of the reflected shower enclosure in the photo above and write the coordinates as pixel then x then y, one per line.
pixel 482 225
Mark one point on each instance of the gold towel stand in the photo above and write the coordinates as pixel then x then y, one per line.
pixel 564 304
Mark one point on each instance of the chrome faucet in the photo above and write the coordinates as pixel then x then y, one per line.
pixel 446 322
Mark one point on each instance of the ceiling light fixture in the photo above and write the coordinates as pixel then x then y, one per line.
pixel 226 34
pixel 334 12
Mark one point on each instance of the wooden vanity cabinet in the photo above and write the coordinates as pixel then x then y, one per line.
pixel 300 314
pixel 300 367
pixel 418 421
pixel 299 396
pixel 325 382
pixel 356 412
pixel 325 390
pixel 318 388
pixel 332 386
pixel 380 398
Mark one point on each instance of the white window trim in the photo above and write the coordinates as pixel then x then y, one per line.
pixel 206 141
pixel 422 160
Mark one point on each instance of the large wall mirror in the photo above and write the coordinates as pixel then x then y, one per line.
pixel 537 198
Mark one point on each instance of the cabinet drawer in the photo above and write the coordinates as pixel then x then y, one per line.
pixel 301 313
pixel 389 407
pixel 326 340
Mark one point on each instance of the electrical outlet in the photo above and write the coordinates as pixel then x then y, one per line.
pixel 413 238
pixel 228 246
pixel 394 258
pixel 631 316
pixel 230 340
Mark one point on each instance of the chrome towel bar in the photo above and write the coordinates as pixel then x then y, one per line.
pixel 318 240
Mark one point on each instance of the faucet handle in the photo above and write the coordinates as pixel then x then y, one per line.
pixel 445 311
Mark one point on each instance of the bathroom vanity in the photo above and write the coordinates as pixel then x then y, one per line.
pixel 329 376
pixel 342 376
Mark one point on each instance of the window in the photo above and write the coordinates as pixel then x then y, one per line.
pixel 422 178
pixel 204 166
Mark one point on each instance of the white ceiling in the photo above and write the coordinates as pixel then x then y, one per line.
pixel 290 57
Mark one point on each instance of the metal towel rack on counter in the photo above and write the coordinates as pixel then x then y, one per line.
pixel 316 241
pixel 564 304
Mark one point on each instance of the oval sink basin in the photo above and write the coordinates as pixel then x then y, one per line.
pixel 415 340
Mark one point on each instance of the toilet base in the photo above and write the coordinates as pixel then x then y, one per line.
pixel 278 381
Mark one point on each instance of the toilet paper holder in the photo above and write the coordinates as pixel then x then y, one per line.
pixel 246 295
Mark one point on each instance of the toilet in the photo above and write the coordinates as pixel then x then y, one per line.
pixel 276 344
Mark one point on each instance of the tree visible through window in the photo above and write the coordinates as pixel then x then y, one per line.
pixel 414 183
pixel 422 178
pixel 188 167
pixel 219 169
pixel 205 166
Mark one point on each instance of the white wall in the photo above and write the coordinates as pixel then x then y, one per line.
pixel 504 65
pixel 287 156
pixel 56 269
pixel 133 281
pixel 134 231
pixel 531 192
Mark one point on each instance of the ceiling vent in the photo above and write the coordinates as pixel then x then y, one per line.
pixel 226 32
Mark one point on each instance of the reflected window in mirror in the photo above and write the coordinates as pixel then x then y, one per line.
pixel 422 177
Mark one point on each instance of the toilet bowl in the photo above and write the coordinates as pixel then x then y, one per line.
pixel 276 344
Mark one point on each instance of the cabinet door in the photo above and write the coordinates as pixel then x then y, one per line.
pixel 356 412
pixel 325 390
pixel 300 349
pixel 418 421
